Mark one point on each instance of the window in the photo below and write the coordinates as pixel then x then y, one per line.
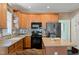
pixel 9 22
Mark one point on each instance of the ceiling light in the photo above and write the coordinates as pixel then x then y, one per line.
pixel 48 7
pixel 29 6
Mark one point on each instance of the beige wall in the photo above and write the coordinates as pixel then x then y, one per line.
pixel 64 16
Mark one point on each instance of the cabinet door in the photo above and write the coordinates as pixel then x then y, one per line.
pixel 23 19
pixel 54 17
pixel 20 19
pixel 19 15
pixel 0 15
pixel 19 45
pixel 27 42
pixel 3 15
pixel 33 18
pixel 27 21
pixel 65 29
pixel 11 49
pixel 45 18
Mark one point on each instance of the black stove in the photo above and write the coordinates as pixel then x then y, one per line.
pixel 36 37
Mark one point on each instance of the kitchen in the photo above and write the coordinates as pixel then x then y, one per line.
pixel 39 28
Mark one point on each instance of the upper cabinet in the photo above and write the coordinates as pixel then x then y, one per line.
pixel 23 21
pixel 33 18
pixel 3 15
pixel 49 17
pixel 45 18
pixel 22 18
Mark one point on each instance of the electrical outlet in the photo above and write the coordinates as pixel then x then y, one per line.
pixel 55 53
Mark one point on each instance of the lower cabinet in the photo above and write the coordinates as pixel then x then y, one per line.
pixel 11 49
pixel 18 46
pixel 55 50
pixel 27 42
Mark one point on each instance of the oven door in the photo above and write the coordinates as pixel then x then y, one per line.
pixel 36 42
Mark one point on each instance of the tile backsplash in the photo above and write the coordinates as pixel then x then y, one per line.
pixel 4 32
pixel 23 31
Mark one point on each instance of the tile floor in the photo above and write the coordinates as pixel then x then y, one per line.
pixel 30 52
pixel 37 52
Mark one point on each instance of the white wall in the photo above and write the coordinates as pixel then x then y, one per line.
pixel 65 29
pixel 75 25
pixel 64 19
pixel 74 20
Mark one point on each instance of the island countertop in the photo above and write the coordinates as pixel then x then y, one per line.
pixel 8 42
pixel 53 42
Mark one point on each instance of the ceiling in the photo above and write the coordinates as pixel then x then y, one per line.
pixel 46 7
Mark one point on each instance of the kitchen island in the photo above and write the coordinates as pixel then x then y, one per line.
pixel 9 46
pixel 55 46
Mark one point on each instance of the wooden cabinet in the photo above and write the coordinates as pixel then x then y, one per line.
pixel 19 15
pixel 3 15
pixel 22 19
pixel 25 19
pixel 11 49
pixel 45 18
pixel 33 18
pixel 18 46
pixel 56 50
pixel 27 42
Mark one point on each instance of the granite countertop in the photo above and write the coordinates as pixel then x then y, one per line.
pixel 52 42
pixel 9 42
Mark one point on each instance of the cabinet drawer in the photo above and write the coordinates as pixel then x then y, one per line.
pixel 16 44
pixel 20 48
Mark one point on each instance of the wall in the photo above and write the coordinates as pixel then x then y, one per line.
pixel 75 26
pixel 65 16
pixel 64 19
